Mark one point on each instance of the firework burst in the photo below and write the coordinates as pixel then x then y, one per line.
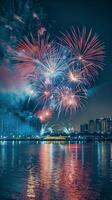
pixel 68 100
pixel 33 50
pixel 45 114
pixel 55 65
pixel 44 92
pixel 76 77
pixel 87 50
pixel 30 53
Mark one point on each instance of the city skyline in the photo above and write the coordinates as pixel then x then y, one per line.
pixel 99 125
pixel 12 125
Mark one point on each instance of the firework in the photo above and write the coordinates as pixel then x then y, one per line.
pixel 69 100
pixel 43 129
pixel 30 53
pixel 30 93
pixel 55 65
pixel 55 75
pixel 44 114
pixel 46 128
pixel 87 50
pixel 68 130
pixel 76 77
pixel 45 92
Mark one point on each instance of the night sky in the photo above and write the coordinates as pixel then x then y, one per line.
pixel 60 16
pixel 98 16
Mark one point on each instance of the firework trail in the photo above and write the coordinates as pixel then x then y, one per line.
pixel 31 94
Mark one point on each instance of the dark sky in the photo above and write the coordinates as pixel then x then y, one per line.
pixel 98 16
pixel 95 14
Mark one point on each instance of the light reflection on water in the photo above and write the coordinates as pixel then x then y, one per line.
pixel 31 171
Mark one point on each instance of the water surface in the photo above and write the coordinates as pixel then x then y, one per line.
pixel 32 171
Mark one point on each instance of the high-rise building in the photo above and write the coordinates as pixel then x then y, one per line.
pixel 98 126
pixel 104 125
pixel 91 128
pixel 109 125
pixel 84 128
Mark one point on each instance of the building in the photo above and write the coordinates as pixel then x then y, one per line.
pixel 109 125
pixel 104 125
pixel 91 126
pixel 98 126
pixel 84 128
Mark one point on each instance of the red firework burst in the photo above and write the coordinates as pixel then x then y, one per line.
pixel 32 49
pixel 45 114
pixel 29 53
pixel 87 49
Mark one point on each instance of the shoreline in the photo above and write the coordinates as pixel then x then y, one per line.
pixel 57 140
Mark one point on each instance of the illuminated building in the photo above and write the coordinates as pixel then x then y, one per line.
pixel 60 137
pixel 84 128
pixel 91 126
pixel 110 125
pixel 98 126
pixel 103 125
